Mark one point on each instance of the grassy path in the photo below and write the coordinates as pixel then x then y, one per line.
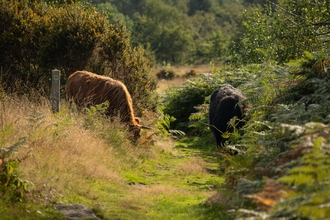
pixel 171 186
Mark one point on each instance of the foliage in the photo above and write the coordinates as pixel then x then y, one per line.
pixel 128 65
pixel 200 5
pixel 95 116
pixel 284 147
pixel 200 119
pixel 60 129
pixel 284 31
pixel 311 180
pixel 36 38
pixel 194 31
pixel 130 8
pixel 161 29
pixel 10 183
pixel 180 101
pixel 113 14
pixel 164 124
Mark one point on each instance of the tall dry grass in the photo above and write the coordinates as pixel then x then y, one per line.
pixel 164 84
pixel 191 167
pixel 65 153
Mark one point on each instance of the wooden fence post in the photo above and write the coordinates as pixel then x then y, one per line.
pixel 56 85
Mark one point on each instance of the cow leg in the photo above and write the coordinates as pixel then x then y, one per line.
pixel 217 135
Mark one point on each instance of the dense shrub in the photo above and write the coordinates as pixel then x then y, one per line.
pixel 191 73
pixel 37 38
pixel 291 147
pixel 128 65
pixel 165 74
pixel 70 37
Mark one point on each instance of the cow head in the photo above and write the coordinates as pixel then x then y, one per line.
pixel 135 129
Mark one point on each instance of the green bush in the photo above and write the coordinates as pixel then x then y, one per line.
pixel 284 31
pixel 165 74
pixel 69 37
pixel 10 183
pixel 180 102
pixel 128 65
pixel 191 73
pixel 37 38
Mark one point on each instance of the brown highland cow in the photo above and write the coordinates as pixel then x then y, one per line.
pixel 88 89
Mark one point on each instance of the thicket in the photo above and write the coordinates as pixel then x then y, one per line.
pixel 285 146
pixel 36 37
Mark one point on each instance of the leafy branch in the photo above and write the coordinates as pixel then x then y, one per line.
pixel 9 175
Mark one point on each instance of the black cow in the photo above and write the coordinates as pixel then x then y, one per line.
pixel 223 107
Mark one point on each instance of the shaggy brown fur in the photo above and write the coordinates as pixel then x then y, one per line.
pixel 86 88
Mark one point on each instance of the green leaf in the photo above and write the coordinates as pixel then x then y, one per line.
pixel 17 183
pixel 10 169
pixel 8 130
pixel 19 194
pixel 6 180
pixel 225 135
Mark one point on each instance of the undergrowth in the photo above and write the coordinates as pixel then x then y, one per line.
pixel 284 160
pixel 281 170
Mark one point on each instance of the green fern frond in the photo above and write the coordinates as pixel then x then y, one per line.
pixel 178 132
